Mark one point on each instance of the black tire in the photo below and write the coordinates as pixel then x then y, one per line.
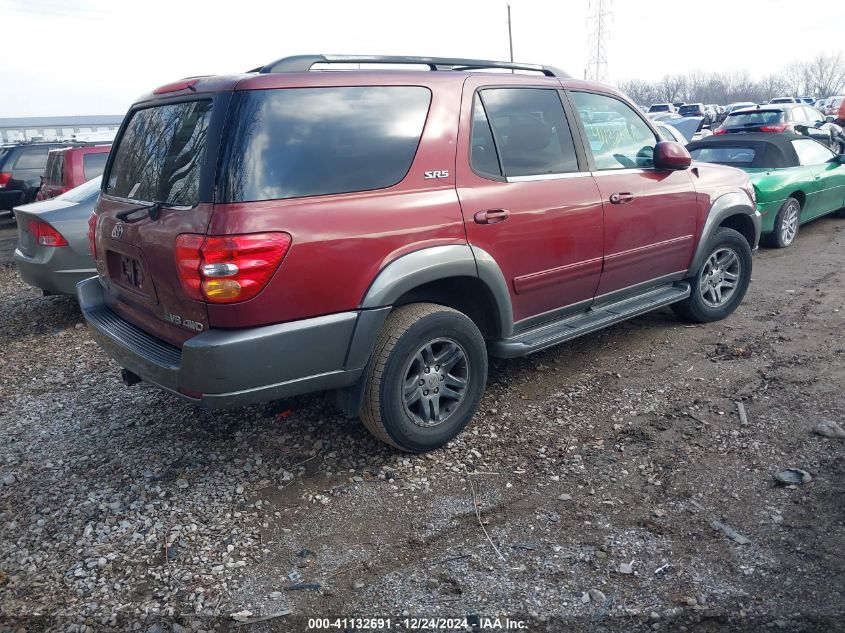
pixel 700 309
pixel 400 354
pixel 781 237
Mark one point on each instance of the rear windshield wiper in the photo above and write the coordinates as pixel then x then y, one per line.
pixel 153 209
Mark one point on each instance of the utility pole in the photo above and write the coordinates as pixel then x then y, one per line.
pixel 510 35
pixel 599 20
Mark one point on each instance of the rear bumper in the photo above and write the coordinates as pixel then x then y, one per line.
pixel 55 270
pixel 228 368
pixel 10 198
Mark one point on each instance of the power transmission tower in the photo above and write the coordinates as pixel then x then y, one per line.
pixel 599 23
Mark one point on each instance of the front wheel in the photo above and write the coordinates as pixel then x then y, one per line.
pixel 721 280
pixel 426 377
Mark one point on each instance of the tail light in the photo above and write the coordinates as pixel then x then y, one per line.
pixel 227 269
pixel 5 177
pixel 719 130
pixel 92 235
pixel 46 235
pixel 776 127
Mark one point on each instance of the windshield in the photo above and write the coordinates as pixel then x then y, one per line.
pixel 160 154
pixel 754 117
pixel 83 192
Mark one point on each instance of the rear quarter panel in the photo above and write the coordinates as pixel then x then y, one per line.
pixel 776 185
pixel 341 242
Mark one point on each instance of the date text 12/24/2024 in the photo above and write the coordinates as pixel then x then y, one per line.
pixel 468 623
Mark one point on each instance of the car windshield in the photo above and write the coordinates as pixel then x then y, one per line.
pixel 160 154
pixel 736 156
pixel 83 192
pixel 753 117
pixel 688 110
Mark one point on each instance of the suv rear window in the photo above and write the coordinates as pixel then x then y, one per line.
pixel 93 165
pixel 159 155
pixel 296 142
pixel 55 167
pixel 32 158
pixel 689 110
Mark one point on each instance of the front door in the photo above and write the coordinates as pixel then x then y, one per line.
pixel 650 215
pixel 827 192
pixel 527 197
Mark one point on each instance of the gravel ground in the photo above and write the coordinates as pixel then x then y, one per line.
pixel 582 498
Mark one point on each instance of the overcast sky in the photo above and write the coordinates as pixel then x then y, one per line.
pixel 69 57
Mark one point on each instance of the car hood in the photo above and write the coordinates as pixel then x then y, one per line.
pixel 687 126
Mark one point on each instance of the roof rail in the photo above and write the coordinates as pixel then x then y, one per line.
pixel 301 63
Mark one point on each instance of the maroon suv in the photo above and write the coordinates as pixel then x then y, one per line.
pixel 379 232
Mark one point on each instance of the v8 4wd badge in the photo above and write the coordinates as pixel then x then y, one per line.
pixel 175 319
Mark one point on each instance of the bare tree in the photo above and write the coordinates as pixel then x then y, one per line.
pixel 826 75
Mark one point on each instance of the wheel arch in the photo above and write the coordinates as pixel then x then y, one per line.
pixel 732 210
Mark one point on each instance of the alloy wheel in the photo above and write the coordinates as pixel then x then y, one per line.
pixel 789 224
pixel 719 277
pixel 435 382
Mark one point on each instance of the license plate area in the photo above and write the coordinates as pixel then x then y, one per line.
pixel 128 271
pixel 131 272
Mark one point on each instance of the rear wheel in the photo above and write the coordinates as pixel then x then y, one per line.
pixel 721 280
pixel 787 222
pixel 426 377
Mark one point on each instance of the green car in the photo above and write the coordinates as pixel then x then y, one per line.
pixel 796 178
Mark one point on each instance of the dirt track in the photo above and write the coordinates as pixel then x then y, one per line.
pixel 619 448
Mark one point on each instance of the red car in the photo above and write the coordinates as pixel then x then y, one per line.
pixel 379 233
pixel 69 167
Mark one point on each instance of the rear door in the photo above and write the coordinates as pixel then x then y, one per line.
pixel 159 159
pixel 527 198
pixel 650 215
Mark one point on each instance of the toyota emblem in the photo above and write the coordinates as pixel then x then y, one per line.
pixel 117 231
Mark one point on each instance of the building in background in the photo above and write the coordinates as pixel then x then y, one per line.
pixel 91 128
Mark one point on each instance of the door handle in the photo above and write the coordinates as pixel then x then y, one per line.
pixel 491 216
pixel 621 198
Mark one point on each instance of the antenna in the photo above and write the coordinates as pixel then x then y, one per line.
pixel 510 35
pixel 599 21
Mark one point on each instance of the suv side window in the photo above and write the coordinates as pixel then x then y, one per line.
pixel 811 152
pixel 521 132
pixel 93 165
pixel 616 135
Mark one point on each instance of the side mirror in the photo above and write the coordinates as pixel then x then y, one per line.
pixel 672 156
pixel 841 158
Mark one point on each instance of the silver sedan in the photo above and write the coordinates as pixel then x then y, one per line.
pixel 52 252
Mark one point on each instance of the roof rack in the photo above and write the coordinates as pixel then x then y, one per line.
pixel 301 63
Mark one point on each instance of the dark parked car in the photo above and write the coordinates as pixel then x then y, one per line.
pixel 380 233
pixel 21 168
pixel 69 167
pixel 53 251
pixel 786 118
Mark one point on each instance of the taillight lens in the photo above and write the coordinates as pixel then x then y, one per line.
pixel 5 177
pixel 46 235
pixel 776 127
pixel 719 130
pixel 227 269
pixel 92 235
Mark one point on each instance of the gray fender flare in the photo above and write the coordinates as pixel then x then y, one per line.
pixel 416 269
pixel 723 207
pixel 404 274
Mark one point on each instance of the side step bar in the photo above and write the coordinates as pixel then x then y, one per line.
pixel 596 318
